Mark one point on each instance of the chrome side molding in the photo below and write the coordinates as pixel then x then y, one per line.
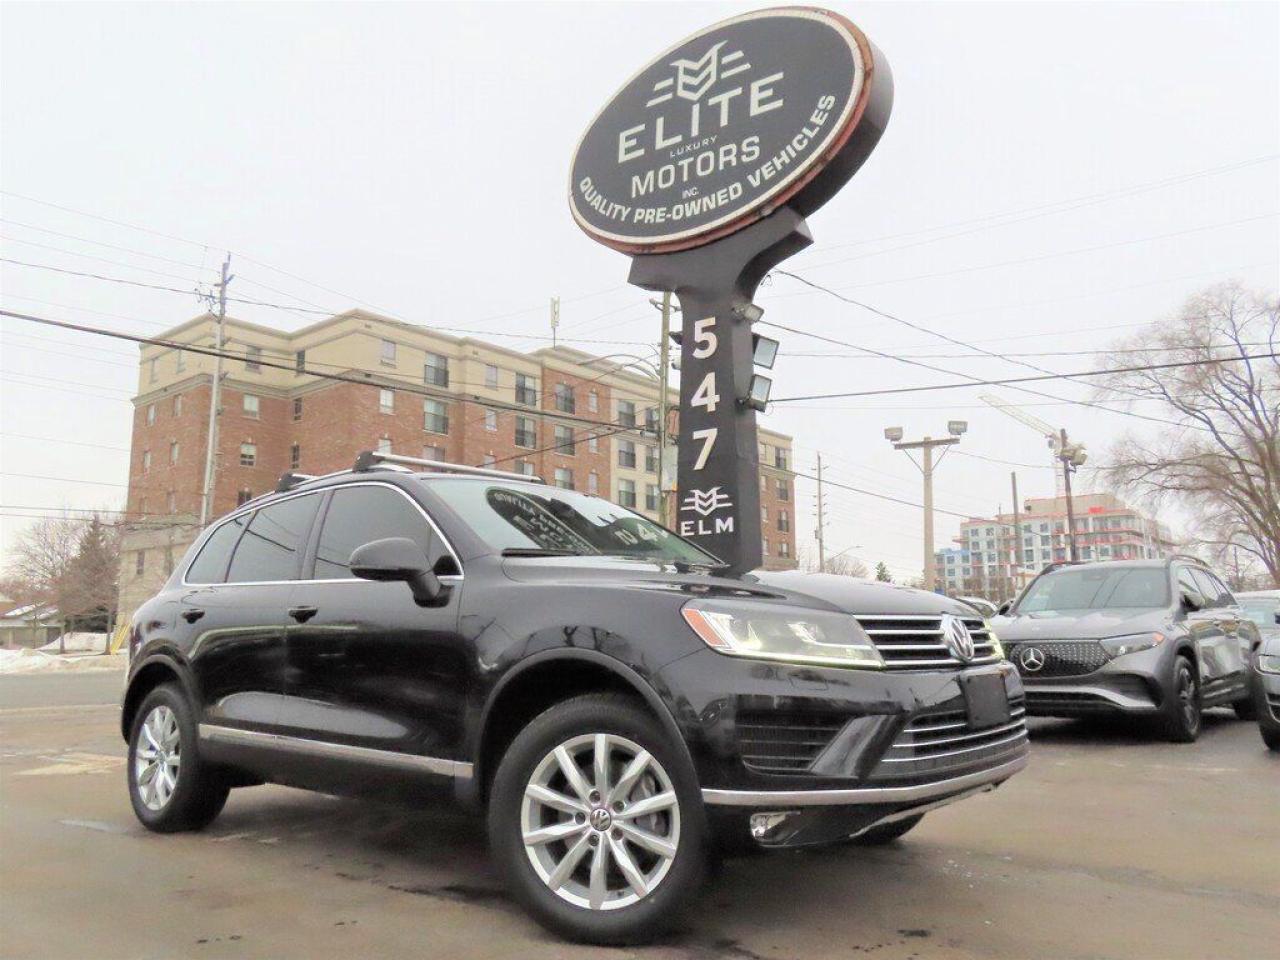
pixel 213 733
pixel 863 795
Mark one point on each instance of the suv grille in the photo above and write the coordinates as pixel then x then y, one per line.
pixel 1062 658
pixel 942 741
pixel 785 742
pixel 916 643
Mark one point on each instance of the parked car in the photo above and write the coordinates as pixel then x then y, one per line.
pixel 1263 608
pixel 1162 639
pixel 596 683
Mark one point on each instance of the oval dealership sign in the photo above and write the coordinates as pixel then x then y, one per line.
pixel 771 107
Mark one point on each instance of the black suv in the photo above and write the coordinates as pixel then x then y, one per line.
pixel 617 704
pixel 1162 639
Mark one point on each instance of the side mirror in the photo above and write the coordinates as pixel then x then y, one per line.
pixel 398 558
pixel 1192 600
pixel 1278 618
pixel 1004 608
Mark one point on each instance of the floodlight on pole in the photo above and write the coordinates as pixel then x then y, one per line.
pixel 893 434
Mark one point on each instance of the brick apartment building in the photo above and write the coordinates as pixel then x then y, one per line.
pixel 983 562
pixel 424 394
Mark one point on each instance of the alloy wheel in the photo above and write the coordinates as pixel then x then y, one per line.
pixel 600 821
pixel 157 757
pixel 1187 699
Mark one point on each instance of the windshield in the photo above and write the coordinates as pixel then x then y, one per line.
pixel 1097 588
pixel 518 518
pixel 1262 612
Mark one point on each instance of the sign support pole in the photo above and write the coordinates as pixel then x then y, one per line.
pixel 718 498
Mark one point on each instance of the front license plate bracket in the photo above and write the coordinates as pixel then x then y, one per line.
pixel 985 699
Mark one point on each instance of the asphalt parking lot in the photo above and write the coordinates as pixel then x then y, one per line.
pixel 1111 844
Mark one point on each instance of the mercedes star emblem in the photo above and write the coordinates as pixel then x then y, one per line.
pixel 1031 659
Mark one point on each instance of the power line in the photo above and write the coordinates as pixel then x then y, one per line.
pixel 74 443
pixel 878 496
pixel 1008 381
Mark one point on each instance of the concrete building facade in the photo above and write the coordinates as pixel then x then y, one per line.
pixel 983 562
pixel 577 420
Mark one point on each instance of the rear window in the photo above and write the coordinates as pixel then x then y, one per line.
pixel 271 548
pixel 1097 588
pixel 210 565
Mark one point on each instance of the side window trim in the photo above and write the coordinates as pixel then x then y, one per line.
pixel 247 515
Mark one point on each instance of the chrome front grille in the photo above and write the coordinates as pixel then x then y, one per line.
pixel 1060 658
pixel 941 741
pixel 910 642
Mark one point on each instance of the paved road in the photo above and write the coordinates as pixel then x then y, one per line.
pixel 1109 845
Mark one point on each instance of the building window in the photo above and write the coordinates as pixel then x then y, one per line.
pixel 300 362
pixel 651 459
pixel 243 497
pixel 651 419
pixel 386 401
pixel 491 421
pixel 524 467
pixel 564 399
pixel 297 409
pixel 140 562
pixel 251 406
pixel 593 402
pixel 784 549
pixel 151 414
pixel 171 502
pixel 564 440
pixel 764 546
pixel 593 443
pixel 387 354
pixel 491 376
pixel 593 482
pixel 564 478
pixel 435 416
pixel 152 367
pixel 764 514
pixel 248 454
pixel 436 370
pixel 146 460
pixel 173 452
pixel 627 493
pixel 526 433
pixel 433 452
pixel 626 453
pixel 651 496
pixel 177 405
pixel 627 413
pixel 780 458
pixel 526 390
pixel 295 456
pixel 784 521
pixel 784 489
pixel 384 445
pixel 253 359
pixel 489 460
pixel 179 361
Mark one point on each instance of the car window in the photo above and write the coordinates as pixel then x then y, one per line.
pixel 1209 586
pixel 210 565
pixel 358 515
pixel 272 544
pixel 1096 588
pixel 1262 612
pixel 1224 592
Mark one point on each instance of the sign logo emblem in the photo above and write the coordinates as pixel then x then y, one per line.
pixel 957 637
pixel 706 502
pixel 1031 659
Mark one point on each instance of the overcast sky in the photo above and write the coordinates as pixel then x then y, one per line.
pixel 1053 176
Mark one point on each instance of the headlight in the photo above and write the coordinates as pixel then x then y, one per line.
pixel 997 648
pixel 1269 663
pixel 1131 643
pixel 772 631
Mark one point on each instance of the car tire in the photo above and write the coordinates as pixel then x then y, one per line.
pixel 1271 738
pixel 170 788
pixel 1182 713
pixel 578 885
pixel 1245 708
pixel 888 832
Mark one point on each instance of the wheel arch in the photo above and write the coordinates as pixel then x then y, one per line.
pixel 539 683
pixel 155 670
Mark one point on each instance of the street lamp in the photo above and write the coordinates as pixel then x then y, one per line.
pixel 1073 457
pixel 926 447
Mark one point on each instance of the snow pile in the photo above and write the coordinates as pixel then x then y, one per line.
pixel 26 660
pixel 78 643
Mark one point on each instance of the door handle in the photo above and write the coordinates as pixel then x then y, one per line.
pixel 303 614
pixel 191 616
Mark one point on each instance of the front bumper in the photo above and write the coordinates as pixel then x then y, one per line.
pixel 1266 688
pixel 1074 686
pixel 842 749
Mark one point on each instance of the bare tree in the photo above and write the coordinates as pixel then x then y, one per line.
pixel 1221 459
pixel 843 566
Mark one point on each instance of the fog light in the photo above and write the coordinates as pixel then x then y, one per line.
pixel 763 824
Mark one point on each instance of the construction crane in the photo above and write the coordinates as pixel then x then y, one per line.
pixel 1052 434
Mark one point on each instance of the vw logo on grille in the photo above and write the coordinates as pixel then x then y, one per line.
pixel 1031 659
pixel 957 637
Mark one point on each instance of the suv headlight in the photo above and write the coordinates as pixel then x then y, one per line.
pixel 997 648
pixel 773 631
pixel 1131 643
pixel 1269 663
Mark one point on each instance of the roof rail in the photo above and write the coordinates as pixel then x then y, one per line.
pixel 1054 565
pixel 1187 558
pixel 371 459
pixel 290 480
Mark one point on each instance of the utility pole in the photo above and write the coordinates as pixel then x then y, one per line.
pixel 1072 457
pixel 215 398
pixel 926 447
pixel 822 546
pixel 1017 536
pixel 664 373
pixel 555 318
